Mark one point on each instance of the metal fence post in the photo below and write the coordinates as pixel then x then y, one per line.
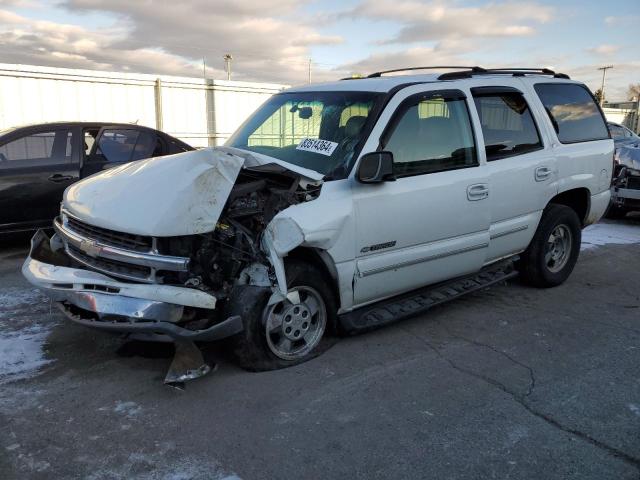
pixel 158 97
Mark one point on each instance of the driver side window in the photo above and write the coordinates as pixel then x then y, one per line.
pixel 431 133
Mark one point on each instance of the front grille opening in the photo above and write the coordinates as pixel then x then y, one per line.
pixel 101 288
pixel 137 243
pixel 112 266
pixel 633 182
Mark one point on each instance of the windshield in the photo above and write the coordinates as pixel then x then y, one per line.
pixel 316 130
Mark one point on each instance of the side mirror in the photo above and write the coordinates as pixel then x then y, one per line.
pixel 375 167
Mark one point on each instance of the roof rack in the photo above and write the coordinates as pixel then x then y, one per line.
pixel 516 72
pixel 395 70
pixel 468 72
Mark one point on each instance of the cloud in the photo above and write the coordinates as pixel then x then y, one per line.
pixel 605 50
pixel 410 57
pixel 437 20
pixel 626 20
pixel 171 38
pixel 62 45
pixel 270 43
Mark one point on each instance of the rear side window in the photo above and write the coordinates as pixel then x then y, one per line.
pixel 44 148
pixel 430 134
pixel 507 124
pixel 573 112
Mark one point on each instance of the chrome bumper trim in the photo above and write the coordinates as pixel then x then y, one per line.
pixel 106 304
pixel 47 270
pixel 630 193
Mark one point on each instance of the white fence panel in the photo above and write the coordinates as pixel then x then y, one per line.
pixel 198 111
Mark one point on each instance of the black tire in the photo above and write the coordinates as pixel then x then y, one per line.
pixel 533 267
pixel 615 212
pixel 251 347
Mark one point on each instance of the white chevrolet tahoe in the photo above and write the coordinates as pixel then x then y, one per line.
pixel 335 207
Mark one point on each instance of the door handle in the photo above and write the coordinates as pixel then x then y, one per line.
pixel 542 173
pixel 57 178
pixel 478 191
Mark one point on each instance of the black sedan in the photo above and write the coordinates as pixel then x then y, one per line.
pixel 37 163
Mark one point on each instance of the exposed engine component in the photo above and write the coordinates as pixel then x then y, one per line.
pixel 219 257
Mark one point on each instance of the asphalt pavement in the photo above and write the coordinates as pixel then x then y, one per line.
pixel 511 382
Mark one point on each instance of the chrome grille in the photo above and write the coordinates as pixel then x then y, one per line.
pixel 137 243
pixel 124 255
pixel 121 269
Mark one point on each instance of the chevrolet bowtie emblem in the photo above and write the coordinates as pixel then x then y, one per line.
pixel 90 247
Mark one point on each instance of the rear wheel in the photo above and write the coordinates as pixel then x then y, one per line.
pixel 554 249
pixel 288 332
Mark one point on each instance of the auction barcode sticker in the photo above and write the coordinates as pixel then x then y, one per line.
pixel 315 145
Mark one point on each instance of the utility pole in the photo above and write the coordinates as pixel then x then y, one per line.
pixel 227 64
pixel 204 69
pixel 604 73
pixel 309 77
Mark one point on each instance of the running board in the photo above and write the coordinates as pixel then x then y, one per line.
pixel 419 301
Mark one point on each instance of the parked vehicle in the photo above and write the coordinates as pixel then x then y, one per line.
pixel 622 136
pixel 625 191
pixel 37 163
pixel 336 207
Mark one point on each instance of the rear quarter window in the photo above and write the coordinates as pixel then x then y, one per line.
pixel 573 111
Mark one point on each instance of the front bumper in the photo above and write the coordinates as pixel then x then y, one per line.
pixel 95 300
pixel 625 193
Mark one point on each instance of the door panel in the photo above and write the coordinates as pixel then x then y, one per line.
pixel 438 232
pixel 37 168
pixel 426 227
pixel 517 199
pixel 522 173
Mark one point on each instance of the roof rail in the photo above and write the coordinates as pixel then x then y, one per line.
pixel 517 72
pixel 473 69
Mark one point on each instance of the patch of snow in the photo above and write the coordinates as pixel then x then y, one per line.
pixel 609 233
pixel 130 409
pixel 21 352
pixel 12 298
pixel 153 467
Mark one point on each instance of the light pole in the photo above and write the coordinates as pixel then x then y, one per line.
pixel 227 64
pixel 604 73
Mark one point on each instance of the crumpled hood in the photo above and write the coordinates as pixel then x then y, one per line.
pixel 181 194
pixel 629 156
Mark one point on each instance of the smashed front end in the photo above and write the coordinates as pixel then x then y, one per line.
pixel 142 278
pixel 625 190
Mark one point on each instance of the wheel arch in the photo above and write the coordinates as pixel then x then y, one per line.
pixel 578 199
pixel 323 261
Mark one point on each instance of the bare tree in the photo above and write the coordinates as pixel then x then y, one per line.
pixel 598 95
pixel 633 92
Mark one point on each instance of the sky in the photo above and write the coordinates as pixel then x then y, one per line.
pixel 275 41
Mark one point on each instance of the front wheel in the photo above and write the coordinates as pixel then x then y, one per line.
pixel 554 249
pixel 286 333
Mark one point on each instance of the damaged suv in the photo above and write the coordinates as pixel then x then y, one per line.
pixel 335 207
